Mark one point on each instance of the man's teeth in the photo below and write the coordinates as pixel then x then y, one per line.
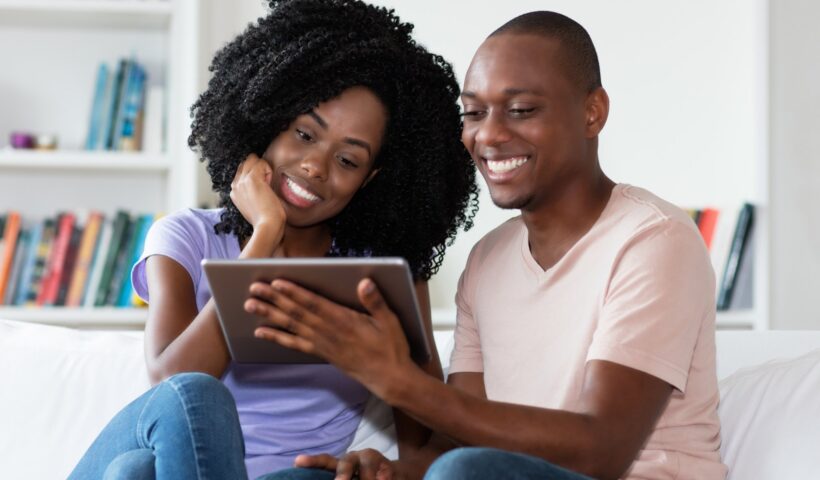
pixel 502 166
pixel 301 192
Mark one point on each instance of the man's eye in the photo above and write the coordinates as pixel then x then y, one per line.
pixel 472 113
pixel 348 163
pixel 521 111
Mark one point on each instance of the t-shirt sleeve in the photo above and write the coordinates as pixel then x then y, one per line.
pixel 466 355
pixel 661 292
pixel 173 236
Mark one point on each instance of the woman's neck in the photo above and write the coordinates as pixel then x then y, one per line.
pixel 314 241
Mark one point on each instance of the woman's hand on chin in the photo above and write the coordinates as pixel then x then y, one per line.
pixel 253 195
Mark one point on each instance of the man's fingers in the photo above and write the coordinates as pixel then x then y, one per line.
pixel 347 467
pixel 285 339
pixel 369 463
pixel 323 461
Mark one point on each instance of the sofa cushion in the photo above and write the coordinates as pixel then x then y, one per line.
pixel 770 419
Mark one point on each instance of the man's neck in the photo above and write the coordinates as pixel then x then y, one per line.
pixel 555 226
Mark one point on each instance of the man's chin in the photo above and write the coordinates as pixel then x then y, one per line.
pixel 510 203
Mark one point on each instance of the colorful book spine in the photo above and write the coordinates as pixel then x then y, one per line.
pixel 43 253
pixel 100 254
pixel 122 265
pixel 68 270
pixel 745 222
pixel 27 268
pixel 85 256
pixel 127 292
pixel 92 141
pixel 10 234
pixel 56 262
pixel 120 227
pixel 16 267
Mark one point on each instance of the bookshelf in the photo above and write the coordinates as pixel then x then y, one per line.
pixel 56 47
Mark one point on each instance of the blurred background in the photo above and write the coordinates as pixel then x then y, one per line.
pixel 713 107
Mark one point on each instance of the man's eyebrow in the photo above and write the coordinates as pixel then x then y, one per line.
pixel 321 121
pixel 358 143
pixel 507 91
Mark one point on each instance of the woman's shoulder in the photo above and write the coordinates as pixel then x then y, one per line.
pixel 193 220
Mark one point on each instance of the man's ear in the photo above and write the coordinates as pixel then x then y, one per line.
pixel 369 177
pixel 597 111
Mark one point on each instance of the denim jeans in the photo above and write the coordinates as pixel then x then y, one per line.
pixel 464 464
pixel 184 428
pixel 490 463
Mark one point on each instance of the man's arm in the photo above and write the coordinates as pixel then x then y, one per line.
pixel 618 410
pixel 618 406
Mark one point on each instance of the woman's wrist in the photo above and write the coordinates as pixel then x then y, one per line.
pixel 264 240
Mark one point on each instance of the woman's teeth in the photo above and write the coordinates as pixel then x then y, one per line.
pixel 301 192
pixel 503 166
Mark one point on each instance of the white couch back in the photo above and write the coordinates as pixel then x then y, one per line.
pixel 61 386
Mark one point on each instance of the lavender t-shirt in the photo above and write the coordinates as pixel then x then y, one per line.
pixel 284 410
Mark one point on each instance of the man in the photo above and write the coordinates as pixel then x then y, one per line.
pixel 584 344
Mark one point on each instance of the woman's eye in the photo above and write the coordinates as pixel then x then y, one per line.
pixel 472 114
pixel 303 135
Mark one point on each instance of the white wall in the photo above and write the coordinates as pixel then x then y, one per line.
pixel 795 165
pixel 687 82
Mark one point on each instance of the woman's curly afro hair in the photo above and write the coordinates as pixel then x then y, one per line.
pixel 305 52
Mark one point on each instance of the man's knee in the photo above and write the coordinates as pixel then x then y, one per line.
pixel 461 463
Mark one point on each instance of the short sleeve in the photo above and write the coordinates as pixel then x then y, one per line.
pixel 173 237
pixel 660 294
pixel 466 355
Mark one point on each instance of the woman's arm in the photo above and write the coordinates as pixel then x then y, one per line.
pixel 178 337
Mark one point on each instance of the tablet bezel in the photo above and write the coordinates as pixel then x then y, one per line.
pixel 334 278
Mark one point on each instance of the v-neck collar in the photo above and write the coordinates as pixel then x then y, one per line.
pixel 529 260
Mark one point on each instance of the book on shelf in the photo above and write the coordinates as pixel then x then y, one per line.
pixel 728 235
pixel 85 255
pixel 54 269
pixel 740 242
pixel 71 259
pixel 117 109
pixel 43 248
pixel 9 232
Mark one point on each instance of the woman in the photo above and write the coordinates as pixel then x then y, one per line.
pixel 326 130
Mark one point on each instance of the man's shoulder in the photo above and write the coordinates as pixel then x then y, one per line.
pixel 639 209
pixel 502 235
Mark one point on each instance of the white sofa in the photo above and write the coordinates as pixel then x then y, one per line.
pixel 60 386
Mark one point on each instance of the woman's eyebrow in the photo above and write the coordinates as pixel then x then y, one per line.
pixel 321 121
pixel 349 140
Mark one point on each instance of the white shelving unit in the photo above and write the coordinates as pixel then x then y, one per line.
pixel 56 47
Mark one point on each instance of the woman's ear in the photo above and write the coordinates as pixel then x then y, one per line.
pixel 369 178
pixel 597 111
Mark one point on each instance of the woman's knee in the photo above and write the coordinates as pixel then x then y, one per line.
pixel 202 387
pixel 132 465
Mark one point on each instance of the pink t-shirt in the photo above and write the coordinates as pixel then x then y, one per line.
pixel 637 290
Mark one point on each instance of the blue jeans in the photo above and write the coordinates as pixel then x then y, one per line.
pixel 184 428
pixel 480 463
pixel 464 464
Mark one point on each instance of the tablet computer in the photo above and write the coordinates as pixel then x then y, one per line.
pixel 333 278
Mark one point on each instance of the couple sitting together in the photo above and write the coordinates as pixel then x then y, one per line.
pixel 584 345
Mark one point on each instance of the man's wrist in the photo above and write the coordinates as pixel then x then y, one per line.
pixel 402 385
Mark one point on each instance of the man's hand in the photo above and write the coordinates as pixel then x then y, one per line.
pixel 366 464
pixel 370 348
